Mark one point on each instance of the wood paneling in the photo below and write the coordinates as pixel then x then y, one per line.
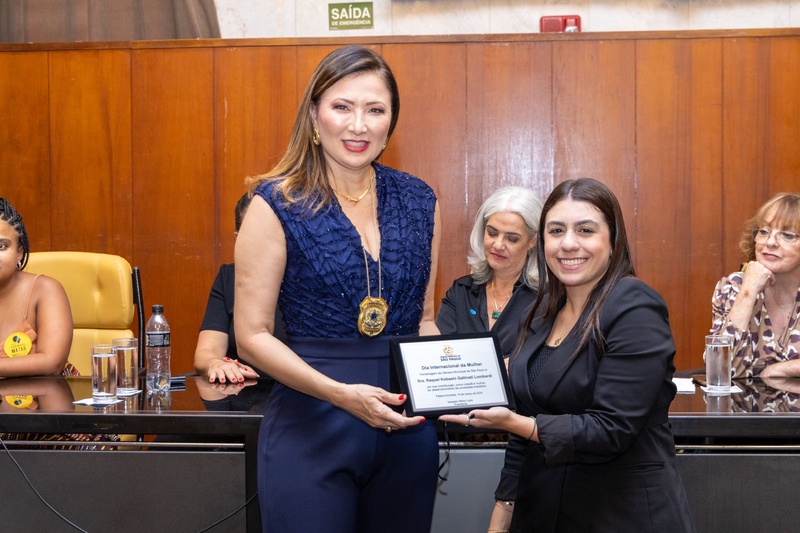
pixel 173 187
pixel 509 119
pixel 430 139
pixel 679 163
pixel 141 149
pixel 25 143
pixel 761 128
pixel 594 117
pixel 255 104
pixel 90 141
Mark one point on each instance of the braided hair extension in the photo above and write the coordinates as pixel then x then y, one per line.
pixel 14 219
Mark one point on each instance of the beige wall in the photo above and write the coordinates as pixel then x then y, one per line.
pixel 308 18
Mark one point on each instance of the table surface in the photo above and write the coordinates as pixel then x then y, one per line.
pixel 189 409
pixel 45 404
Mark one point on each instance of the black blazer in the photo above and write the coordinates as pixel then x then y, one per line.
pixel 606 461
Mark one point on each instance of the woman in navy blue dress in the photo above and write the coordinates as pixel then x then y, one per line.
pixel 347 248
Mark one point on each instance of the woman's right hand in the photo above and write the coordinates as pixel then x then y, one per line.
pixel 756 277
pixel 371 404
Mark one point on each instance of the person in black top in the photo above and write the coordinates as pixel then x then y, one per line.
pixel 216 355
pixel 500 289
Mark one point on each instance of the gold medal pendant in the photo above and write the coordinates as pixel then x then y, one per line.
pixel 372 316
pixel 372 311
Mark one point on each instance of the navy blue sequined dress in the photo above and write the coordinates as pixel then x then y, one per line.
pixel 320 468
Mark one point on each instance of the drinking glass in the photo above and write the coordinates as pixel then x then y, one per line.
pixel 718 363
pixel 127 366
pixel 104 373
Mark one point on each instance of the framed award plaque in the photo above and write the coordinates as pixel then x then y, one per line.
pixel 451 374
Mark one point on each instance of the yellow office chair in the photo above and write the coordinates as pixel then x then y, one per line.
pixel 102 290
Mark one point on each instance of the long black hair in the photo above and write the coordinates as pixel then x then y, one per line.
pixel 14 219
pixel 620 266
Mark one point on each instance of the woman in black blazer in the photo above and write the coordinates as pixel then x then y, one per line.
pixel 497 295
pixel 592 381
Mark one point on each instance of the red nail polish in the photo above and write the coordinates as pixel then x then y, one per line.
pixel 402 397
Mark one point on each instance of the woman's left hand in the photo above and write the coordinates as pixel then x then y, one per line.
pixel 783 369
pixel 493 418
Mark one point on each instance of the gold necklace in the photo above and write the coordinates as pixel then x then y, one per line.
pixel 498 308
pixel 360 196
pixel 557 341
pixel 372 311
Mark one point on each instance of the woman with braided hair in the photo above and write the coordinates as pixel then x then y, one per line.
pixel 35 317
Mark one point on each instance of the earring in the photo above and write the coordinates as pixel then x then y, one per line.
pixel 530 252
pixel 384 144
pixel 315 136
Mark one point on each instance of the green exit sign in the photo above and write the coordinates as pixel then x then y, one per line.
pixel 353 16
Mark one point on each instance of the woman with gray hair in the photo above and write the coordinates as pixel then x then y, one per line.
pixel 497 296
pixel 501 287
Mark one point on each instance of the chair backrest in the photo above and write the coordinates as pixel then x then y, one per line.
pixel 100 289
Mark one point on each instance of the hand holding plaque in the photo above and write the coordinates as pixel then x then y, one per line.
pixel 449 374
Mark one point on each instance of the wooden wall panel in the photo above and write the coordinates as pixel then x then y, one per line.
pixel 24 141
pixel 746 94
pixel 90 139
pixel 255 104
pixel 692 130
pixel 783 132
pixel 509 121
pixel 679 181
pixel 431 137
pixel 762 80
pixel 594 117
pixel 173 191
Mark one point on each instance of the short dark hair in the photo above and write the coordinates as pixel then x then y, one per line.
pixel 14 219
pixel 241 209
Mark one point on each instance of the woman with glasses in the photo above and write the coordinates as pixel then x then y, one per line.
pixel 759 306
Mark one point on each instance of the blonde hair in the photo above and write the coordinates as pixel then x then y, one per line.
pixel 782 211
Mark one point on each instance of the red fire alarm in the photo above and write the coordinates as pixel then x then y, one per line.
pixel 560 23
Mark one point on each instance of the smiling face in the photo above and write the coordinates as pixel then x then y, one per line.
pixel 10 251
pixel 506 242
pixel 577 244
pixel 779 257
pixel 353 118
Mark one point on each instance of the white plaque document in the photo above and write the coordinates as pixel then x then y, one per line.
pixel 451 373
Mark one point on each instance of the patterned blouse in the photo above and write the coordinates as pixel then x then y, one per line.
pixel 757 346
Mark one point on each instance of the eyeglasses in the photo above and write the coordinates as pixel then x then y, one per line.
pixel 781 237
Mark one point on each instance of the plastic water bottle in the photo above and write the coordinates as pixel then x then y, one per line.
pixel 157 351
